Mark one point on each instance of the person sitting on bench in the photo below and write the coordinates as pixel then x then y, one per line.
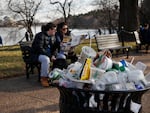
pixel 45 46
pixel 62 31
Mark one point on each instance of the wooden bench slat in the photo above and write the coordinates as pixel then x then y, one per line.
pixel 111 42
pixel 108 43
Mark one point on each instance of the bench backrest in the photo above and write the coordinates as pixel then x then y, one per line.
pixel 26 43
pixel 26 50
pixel 26 53
pixel 107 41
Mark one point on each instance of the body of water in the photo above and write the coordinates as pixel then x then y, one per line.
pixel 12 35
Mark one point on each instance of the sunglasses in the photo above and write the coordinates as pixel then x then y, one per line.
pixel 64 28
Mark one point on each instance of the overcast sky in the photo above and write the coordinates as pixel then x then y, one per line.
pixel 47 12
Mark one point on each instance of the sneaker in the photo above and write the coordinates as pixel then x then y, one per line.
pixel 44 81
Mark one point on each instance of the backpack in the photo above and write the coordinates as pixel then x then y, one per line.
pixel 60 63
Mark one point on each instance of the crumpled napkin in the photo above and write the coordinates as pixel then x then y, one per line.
pixel 135 107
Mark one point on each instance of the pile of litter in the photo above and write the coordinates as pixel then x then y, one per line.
pixel 101 72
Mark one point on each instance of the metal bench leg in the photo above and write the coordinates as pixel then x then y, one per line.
pixel 27 70
pixel 127 50
pixel 39 71
pixel 137 48
pixel 147 46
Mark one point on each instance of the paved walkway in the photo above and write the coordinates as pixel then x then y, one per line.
pixel 19 95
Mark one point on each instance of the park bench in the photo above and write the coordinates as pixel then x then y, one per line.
pixel 140 43
pixel 74 100
pixel 112 43
pixel 28 58
pixel 31 61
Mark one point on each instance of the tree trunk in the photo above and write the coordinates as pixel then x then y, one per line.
pixel 128 20
pixel 30 33
pixel 128 17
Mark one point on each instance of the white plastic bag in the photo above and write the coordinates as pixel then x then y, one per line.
pixel 106 63
pixel 74 70
pixel 92 102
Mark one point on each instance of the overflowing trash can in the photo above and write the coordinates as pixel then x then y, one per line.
pixel 98 84
pixel 74 100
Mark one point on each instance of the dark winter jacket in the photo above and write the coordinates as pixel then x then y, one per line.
pixel 145 33
pixel 42 42
pixel 59 36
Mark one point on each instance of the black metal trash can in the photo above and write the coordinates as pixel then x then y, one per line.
pixel 73 100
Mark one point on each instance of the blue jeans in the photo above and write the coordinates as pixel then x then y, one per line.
pixel 45 64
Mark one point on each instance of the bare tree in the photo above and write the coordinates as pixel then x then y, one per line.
pixel 109 13
pixel 63 7
pixel 27 10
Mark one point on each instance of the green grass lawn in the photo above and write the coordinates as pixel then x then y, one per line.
pixel 11 62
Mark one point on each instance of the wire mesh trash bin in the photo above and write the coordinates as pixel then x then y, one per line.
pixel 73 100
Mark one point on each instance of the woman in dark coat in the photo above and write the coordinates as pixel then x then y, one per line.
pixel 62 31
